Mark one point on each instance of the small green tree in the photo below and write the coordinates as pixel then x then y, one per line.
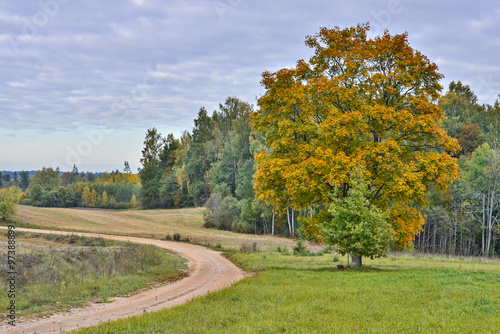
pixel 357 228
pixel 7 204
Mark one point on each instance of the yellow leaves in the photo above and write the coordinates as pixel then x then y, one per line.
pixel 357 102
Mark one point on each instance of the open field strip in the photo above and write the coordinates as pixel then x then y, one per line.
pixel 155 224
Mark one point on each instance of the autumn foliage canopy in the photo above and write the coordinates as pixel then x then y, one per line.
pixel 358 101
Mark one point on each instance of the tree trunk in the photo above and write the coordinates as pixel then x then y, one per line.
pixel 272 226
pixel 356 261
pixel 288 220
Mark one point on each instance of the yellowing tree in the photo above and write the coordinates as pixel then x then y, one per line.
pixel 87 197
pixel 104 199
pixel 356 102
pixel 93 198
pixel 133 202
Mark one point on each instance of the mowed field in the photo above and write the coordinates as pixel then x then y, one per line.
pixel 155 224
pixel 303 294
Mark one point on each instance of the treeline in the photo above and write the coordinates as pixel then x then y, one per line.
pixel 51 188
pixel 464 220
pixel 213 166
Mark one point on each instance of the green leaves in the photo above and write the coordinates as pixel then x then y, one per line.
pixel 357 227
pixel 8 206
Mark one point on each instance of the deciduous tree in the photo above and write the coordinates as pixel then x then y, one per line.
pixel 356 102
pixel 7 204
pixel 357 227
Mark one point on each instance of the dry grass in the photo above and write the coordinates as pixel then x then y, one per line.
pixel 146 223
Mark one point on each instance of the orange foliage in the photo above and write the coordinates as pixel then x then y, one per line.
pixel 116 177
pixel 357 102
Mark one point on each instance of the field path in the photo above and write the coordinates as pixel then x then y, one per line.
pixel 209 271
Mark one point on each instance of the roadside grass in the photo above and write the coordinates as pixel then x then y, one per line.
pixel 307 294
pixel 57 272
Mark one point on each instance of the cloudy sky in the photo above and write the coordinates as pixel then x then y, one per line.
pixel 83 80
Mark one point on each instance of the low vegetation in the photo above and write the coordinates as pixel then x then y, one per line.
pixel 308 294
pixel 56 272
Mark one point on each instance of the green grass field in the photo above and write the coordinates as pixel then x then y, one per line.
pixel 291 294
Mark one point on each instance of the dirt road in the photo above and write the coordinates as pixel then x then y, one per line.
pixel 209 271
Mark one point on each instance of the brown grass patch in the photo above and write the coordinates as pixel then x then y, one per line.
pixel 146 223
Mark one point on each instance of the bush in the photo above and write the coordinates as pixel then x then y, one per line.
pixel 8 204
pixel 177 237
pixel 300 248
pixel 220 212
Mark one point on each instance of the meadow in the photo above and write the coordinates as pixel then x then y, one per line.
pixel 307 294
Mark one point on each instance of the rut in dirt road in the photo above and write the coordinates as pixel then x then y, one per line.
pixel 209 271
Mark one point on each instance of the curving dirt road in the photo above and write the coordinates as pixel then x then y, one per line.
pixel 209 271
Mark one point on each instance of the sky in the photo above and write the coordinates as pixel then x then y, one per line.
pixel 82 81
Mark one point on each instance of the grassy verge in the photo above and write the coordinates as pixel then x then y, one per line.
pixel 292 294
pixel 56 272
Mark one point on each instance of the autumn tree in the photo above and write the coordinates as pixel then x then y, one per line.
pixel 104 199
pixel 469 137
pixel 87 197
pixel 356 102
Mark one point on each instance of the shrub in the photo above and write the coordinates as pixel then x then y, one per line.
pixel 300 248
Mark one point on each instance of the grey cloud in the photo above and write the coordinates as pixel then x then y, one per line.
pixel 146 62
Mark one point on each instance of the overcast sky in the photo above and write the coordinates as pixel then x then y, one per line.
pixel 83 80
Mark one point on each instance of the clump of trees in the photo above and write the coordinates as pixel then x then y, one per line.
pixel 49 187
pixel 464 220
pixel 430 162
pixel 8 203
pixel 213 166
